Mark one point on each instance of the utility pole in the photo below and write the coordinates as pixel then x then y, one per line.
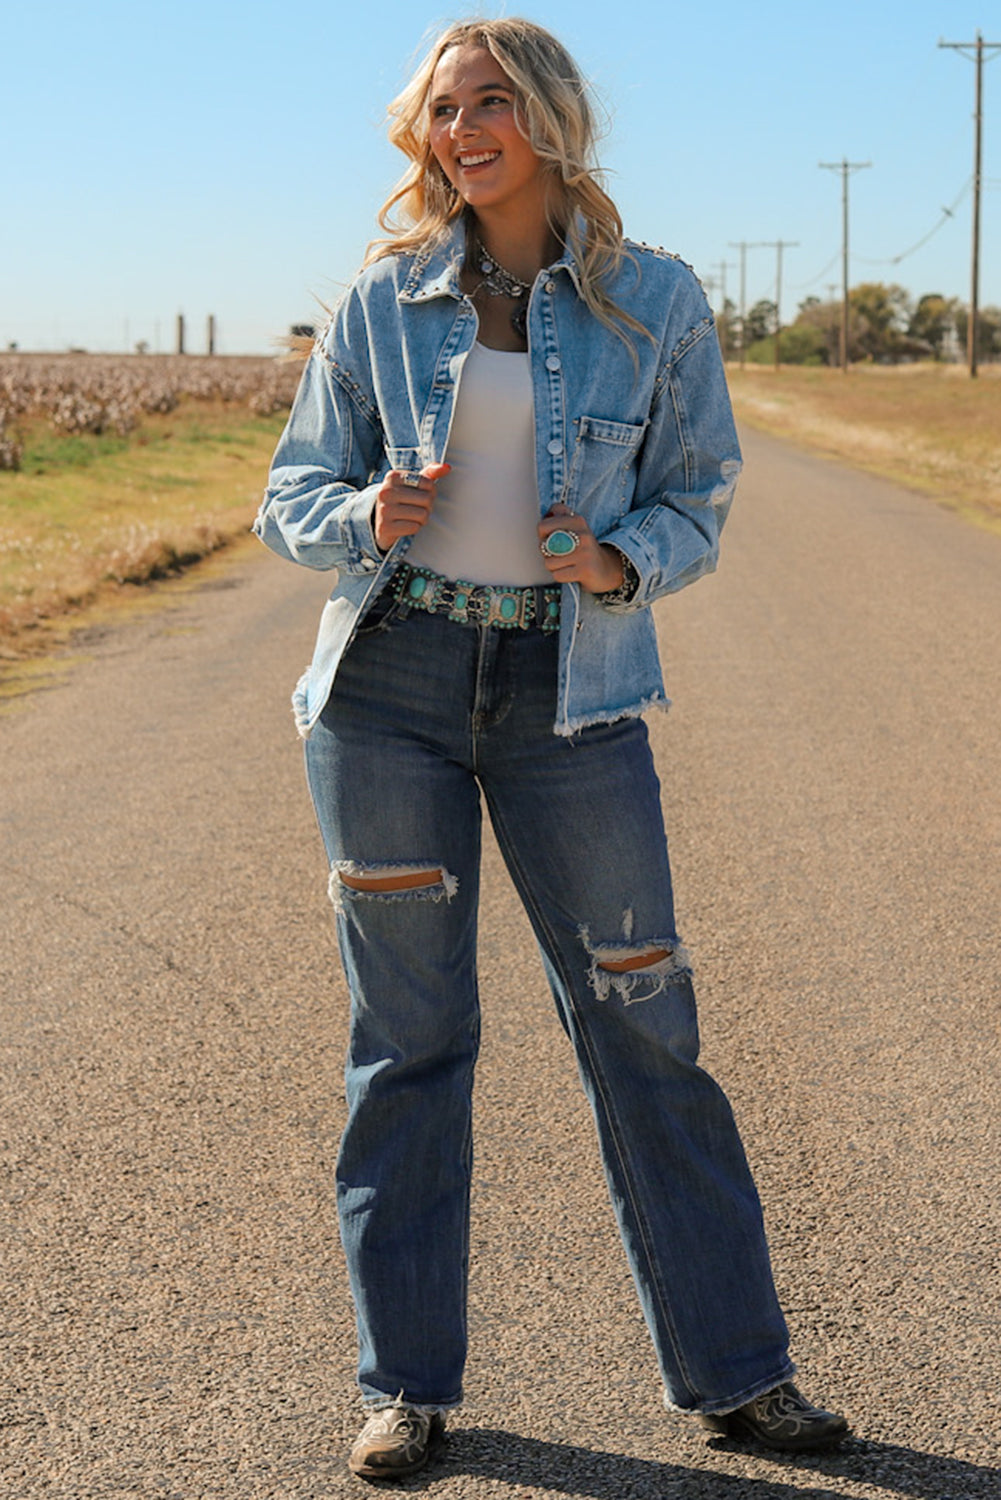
pixel 778 246
pixel 743 246
pixel 976 56
pixel 832 287
pixel 722 267
pixel 845 168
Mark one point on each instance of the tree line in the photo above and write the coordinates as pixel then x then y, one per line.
pixel 886 325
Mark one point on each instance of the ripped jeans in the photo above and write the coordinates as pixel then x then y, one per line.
pixel 425 715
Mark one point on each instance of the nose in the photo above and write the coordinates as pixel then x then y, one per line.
pixel 462 125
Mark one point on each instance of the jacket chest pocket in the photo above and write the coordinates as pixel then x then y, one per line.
pixel 601 479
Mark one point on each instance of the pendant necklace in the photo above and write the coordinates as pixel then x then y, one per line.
pixel 500 282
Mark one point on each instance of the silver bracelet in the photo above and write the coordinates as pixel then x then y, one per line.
pixel 627 588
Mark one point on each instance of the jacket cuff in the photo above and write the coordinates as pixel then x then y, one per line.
pixel 627 589
pixel 361 551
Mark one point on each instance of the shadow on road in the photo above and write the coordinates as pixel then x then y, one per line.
pixel 572 1470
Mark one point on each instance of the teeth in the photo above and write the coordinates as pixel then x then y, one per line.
pixel 475 161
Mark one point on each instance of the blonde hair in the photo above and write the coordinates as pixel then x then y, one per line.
pixel 556 118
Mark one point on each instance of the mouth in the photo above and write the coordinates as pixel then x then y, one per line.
pixel 468 159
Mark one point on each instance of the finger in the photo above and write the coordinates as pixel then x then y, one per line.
pixel 406 515
pixel 568 521
pixel 395 501
pixel 389 530
pixel 406 479
pixel 418 479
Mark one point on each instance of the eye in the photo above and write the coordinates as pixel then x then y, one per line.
pixel 438 111
pixel 493 100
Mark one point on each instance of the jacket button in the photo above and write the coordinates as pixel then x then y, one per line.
pixel 550 286
pixel 553 362
pixel 555 446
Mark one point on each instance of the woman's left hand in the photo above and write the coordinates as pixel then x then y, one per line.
pixel 592 564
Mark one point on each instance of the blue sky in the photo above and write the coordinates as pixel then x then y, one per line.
pixel 230 159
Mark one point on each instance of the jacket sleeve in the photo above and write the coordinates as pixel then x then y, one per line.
pixel 318 506
pixel 687 471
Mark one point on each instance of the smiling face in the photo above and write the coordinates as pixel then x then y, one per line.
pixel 475 138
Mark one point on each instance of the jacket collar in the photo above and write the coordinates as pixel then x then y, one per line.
pixel 435 269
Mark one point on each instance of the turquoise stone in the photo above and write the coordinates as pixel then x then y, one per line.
pixel 560 543
pixel 508 609
pixel 416 587
pixel 461 600
pixel 552 609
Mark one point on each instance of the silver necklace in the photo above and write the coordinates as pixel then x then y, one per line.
pixel 498 281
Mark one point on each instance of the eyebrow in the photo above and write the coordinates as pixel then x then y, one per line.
pixel 482 88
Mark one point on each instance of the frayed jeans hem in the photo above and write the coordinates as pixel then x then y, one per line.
pixel 724 1404
pixel 372 1404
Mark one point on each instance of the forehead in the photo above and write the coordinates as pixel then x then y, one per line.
pixel 466 67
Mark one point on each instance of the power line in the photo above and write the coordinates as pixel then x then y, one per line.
pixel 976 56
pixel 947 214
pixel 894 260
pixel 801 286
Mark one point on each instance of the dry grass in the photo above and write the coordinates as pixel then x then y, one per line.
pixel 88 518
pixel 930 427
pixel 91 516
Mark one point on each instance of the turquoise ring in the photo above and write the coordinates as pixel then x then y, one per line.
pixel 560 543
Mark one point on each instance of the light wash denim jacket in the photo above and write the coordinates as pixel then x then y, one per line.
pixel 644 448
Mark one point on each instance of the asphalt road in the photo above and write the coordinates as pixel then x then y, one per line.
pixel 175 1321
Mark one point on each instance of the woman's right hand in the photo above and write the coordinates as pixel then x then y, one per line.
pixel 403 503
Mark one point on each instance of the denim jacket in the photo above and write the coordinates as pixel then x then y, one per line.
pixel 637 437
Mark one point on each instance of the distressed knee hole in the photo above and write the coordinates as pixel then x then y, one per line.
pixel 634 971
pixel 638 961
pixel 391 882
pixel 403 882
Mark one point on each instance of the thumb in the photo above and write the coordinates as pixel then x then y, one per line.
pixel 436 471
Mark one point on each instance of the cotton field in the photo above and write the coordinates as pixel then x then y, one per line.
pixel 111 393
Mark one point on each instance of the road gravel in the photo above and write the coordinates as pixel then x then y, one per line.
pixel 174 1315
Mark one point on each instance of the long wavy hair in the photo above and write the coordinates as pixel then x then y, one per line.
pixel 555 115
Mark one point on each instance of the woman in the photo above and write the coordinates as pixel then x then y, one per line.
pixel 513 436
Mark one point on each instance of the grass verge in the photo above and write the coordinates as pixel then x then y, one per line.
pixel 930 427
pixel 88 519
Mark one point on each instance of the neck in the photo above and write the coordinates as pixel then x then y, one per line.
pixel 521 249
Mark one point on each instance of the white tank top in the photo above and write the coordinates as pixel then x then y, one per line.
pixel 482 528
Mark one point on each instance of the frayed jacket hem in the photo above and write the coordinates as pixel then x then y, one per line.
pixel 306 721
pixel 570 727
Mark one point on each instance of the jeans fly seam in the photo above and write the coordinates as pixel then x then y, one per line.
pixel 485 715
pixel 615 1134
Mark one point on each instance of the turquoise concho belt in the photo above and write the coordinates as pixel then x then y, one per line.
pixel 478 603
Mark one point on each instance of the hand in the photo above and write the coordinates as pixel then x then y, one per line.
pixel 402 508
pixel 592 564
